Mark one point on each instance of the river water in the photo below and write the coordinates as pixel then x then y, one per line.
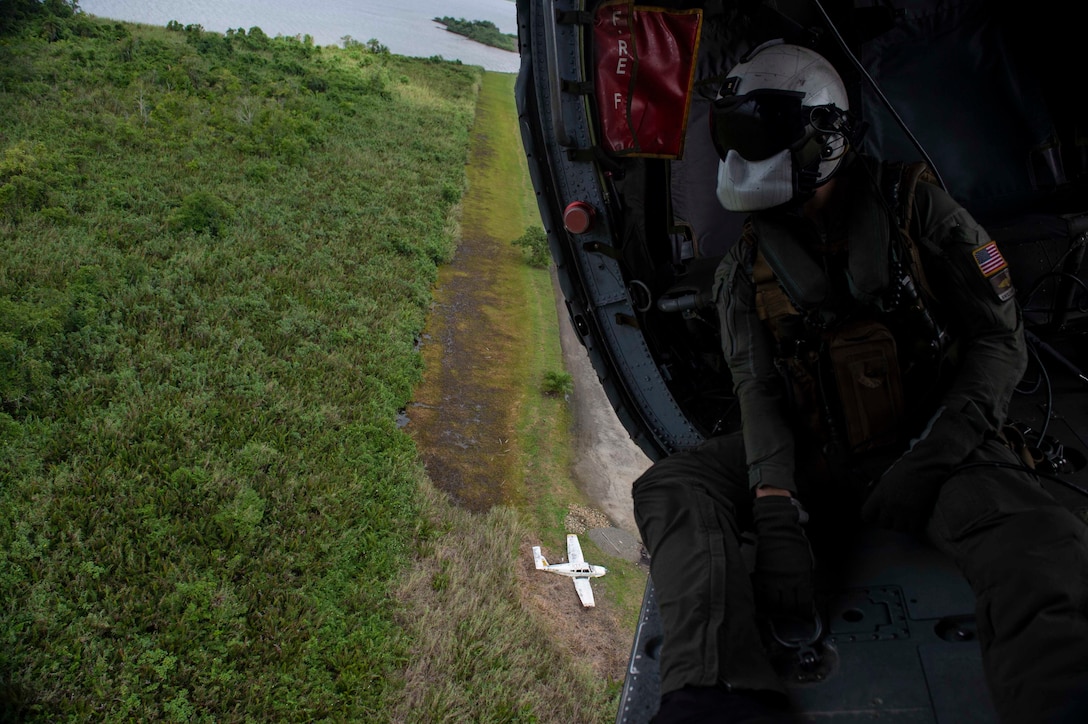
pixel 406 27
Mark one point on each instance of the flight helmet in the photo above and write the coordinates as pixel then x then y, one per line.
pixel 780 126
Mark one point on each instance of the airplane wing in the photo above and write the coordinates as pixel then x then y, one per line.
pixel 584 592
pixel 574 549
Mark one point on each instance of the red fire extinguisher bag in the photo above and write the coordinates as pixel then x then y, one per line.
pixel 645 64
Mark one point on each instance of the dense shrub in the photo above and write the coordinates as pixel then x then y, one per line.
pixel 557 384
pixel 24 180
pixel 202 211
pixel 38 339
pixel 535 243
pixel 15 14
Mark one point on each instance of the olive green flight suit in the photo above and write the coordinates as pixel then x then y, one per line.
pixel 1024 555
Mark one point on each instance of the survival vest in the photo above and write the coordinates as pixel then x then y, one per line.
pixel 842 345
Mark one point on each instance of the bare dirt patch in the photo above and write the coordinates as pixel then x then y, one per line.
pixel 465 410
pixel 581 519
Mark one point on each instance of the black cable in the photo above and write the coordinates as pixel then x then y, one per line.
pixel 1034 340
pixel 1038 285
pixel 1064 275
pixel 1076 434
pixel 1022 468
pixel 880 94
pixel 1049 409
pixel 1075 246
pixel 1034 387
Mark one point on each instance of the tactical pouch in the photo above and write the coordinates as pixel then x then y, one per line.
pixel 870 389
pixel 803 391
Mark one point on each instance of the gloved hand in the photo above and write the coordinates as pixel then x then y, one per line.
pixel 904 495
pixel 782 580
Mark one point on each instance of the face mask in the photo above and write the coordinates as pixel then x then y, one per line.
pixel 755 185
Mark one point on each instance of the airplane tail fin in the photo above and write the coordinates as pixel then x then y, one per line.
pixel 538 559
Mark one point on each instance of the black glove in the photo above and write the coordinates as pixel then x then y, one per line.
pixel 904 495
pixel 782 580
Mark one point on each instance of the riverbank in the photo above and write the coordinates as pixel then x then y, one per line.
pixel 480 31
pixel 407 29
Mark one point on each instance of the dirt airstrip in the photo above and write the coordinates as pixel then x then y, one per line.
pixel 465 414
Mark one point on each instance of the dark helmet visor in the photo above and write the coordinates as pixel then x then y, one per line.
pixel 759 124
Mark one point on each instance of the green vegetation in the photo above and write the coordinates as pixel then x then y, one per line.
pixel 217 253
pixel 535 243
pixel 545 428
pixel 372 45
pixel 557 384
pixel 46 14
pixel 217 256
pixel 482 31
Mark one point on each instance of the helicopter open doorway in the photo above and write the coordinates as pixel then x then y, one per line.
pixel 624 172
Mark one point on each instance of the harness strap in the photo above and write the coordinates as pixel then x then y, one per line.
pixel 900 182
pixel 771 302
pixel 909 176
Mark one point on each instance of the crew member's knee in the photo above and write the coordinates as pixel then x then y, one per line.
pixel 678 488
pixel 973 502
pixel 1026 558
pixel 1029 571
pixel 716 469
pixel 1037 549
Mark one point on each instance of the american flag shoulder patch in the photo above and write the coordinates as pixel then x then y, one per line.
pixel 989 259
pixel 996 270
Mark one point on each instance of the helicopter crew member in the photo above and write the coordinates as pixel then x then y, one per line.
pixel 874 340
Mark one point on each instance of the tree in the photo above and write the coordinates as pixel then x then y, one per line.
pixel 14 14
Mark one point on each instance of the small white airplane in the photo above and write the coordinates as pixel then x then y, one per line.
pixel 575 567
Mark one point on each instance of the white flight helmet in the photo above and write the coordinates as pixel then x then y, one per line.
pixel 780 126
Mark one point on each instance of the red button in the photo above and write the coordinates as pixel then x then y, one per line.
pixel 578 217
